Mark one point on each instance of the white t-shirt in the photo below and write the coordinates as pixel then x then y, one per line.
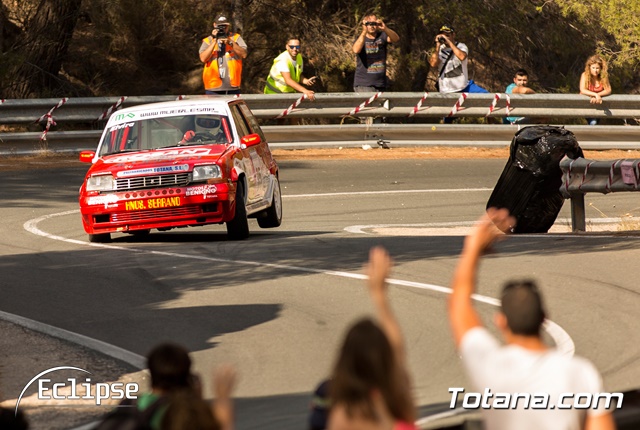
pixel 455 76
pixel 513 369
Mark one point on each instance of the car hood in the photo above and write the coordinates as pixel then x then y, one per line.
pixel 182 156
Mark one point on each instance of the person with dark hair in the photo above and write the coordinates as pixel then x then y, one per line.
pixel 170 369
pixel 188 410
pixel 370 385
pixel 285 75
pixel 370 48
pixel 518 86
pixel 526 365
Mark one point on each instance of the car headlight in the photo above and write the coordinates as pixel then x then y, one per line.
pixel 100 183
pixel 202 173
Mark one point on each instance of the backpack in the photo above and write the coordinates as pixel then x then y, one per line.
pixel 128 417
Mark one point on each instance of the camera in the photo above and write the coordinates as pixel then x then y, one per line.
pixel 442 40
pixel 222 31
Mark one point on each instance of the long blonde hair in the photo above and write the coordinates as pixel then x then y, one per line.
pixel 604 75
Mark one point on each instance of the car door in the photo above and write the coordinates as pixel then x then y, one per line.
pixel 249 161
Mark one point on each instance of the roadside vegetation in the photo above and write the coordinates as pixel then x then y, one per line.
pixel 56 48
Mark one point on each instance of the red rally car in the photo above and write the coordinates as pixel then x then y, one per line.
pixel 176 164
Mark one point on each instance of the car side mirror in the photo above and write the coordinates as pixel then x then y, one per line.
pixel 87 156
pixel 251 140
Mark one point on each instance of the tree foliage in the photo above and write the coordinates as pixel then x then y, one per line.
pixel 139 47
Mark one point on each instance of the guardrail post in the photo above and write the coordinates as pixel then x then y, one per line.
pixel 577 212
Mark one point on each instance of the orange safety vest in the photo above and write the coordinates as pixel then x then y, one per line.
pixel 210 74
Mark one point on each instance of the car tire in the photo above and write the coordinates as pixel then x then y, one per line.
pixel 100 238
pixel 139 234
pixel 272 216
pixel 238 227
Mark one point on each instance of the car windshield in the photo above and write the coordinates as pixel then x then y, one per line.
pixel 166 132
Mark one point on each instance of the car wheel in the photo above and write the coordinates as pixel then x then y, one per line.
pixel 272 216
pixel 100 238
pixel 139 234
pixel 238 227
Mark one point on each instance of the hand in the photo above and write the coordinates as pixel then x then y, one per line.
pixel 381 25
pixel 446 39
pixel 310 95
pixel 310 81
pixel 224 380
pixel 596 100
pixel 488 229
pixel 377 269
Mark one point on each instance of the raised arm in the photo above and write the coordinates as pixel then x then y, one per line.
pixel 224 379
pixel 377 269
pixel 462 315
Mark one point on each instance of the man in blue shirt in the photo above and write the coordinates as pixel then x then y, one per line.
pixel 518 86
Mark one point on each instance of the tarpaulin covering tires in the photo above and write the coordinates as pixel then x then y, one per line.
pixel 529 186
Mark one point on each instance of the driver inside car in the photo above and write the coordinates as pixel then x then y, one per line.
pixel 207 129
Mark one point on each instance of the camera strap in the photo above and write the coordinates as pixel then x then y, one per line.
pixel 444 66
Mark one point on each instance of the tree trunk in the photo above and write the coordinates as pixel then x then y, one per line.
pixel 45 43
pixel 238 17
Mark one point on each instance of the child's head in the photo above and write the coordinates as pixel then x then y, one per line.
pixel 521 78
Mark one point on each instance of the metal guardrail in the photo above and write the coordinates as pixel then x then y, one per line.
pixel 336 105
pixel 581 176
pixel 86 113
pixel 351 135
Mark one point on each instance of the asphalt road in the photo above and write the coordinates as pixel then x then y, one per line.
pixel 277 304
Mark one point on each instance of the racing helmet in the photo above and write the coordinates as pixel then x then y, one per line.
pixel 208 124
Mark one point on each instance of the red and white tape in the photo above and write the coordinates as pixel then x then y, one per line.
pixel 181 97
pixel 417 107
pixel 49 118
pixel 458 104
pixel 365 103
pixel 508 108
pixel 496 97
pixel 1 101
pixel 48 114
pixel 295 104
pixel 114 107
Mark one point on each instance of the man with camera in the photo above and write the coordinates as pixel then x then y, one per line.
pixel 450 57
pixel 222 54
pixel 371 55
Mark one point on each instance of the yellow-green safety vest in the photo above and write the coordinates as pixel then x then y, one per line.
pixel 275 81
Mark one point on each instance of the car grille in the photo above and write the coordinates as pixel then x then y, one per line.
pixel 141 182
pixel 155 213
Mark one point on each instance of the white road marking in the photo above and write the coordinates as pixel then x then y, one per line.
pixel 563 341
pixel 365 193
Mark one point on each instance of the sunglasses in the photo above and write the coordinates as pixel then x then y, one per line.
pixel 371 23
pixel 295 47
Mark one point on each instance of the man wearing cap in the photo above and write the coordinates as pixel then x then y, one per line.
pixel 371 55
pixel 539 380
pixel 285 75
pixel 450 57
pixel 222 54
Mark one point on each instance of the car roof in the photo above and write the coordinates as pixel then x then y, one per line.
pixel 199 100
pixel 190 105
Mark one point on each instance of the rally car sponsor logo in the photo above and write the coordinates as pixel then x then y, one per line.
pixel 105 200
pixel 201 190
pixel 161 155
pixel 154 170
pixel 159 203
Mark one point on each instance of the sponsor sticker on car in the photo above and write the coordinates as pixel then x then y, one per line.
pixel 159 203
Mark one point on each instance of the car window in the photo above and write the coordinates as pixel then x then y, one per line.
pixel 251 119
pixel 238 118
pixel 163 132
